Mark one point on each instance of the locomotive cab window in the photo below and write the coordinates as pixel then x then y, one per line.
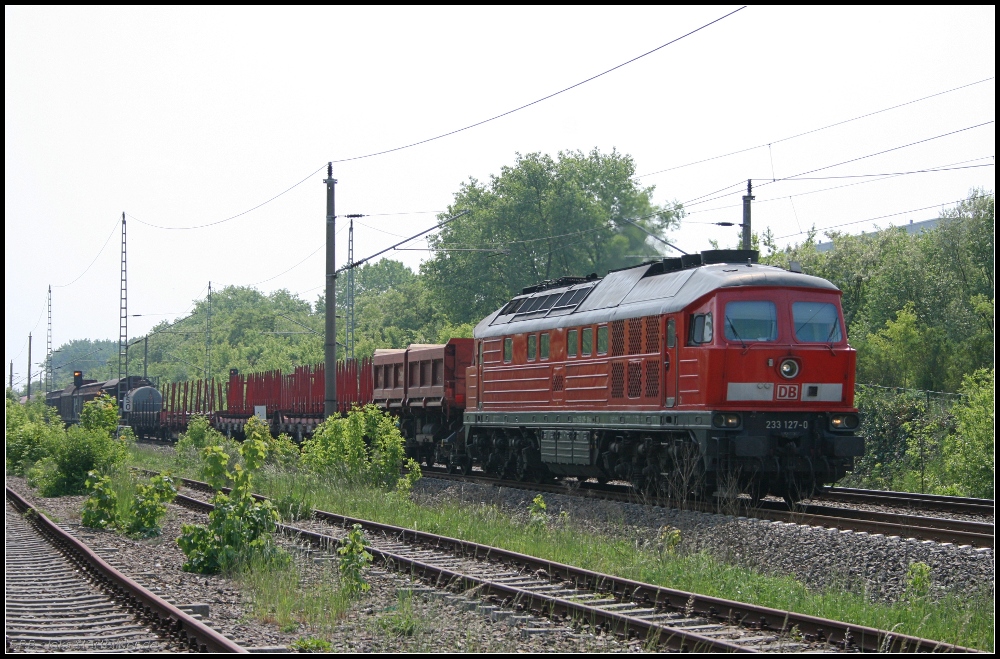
pixel 755 321
pixel 508 350
pixel 671 333
pixel 602 340
pixel 588 341
pixel 572 338
pixel 543 346
pixel 816 322
pixel 532 345
pixel 701 328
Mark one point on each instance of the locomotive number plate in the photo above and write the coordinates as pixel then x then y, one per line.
pixel 786 424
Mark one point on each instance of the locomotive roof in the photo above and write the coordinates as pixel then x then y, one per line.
pixel 643 290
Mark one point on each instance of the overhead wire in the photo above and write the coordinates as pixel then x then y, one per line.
pixel 101 251
pixel 233 217
pixel 544 98
pixel 816 130
pixel 881 217
pixel 705 198
pixel 886 176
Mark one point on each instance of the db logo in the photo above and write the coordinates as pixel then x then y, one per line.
pixel 788 392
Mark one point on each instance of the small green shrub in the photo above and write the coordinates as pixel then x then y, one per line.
pixel 536 512
pixel 364 447
pixel 354 560
pixel 239 527
pixel 310 644
pixel 151 505
pixel 100 415
pixel 670 538
pixel 282 452
pixel 293 507
pixel 33 432
pixel 100 510
pixel 918 581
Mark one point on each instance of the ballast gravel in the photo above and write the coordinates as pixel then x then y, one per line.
pixel 821 558
pixel 436 622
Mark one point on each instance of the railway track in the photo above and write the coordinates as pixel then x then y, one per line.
pixel 516 584
pixel 937 529
pixel 60 596
pixel 911 500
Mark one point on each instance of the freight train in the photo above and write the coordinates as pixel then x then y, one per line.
pixel 682 375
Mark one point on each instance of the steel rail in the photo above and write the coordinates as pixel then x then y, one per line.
pixel 169 619
pixel 916 501
pixel 937 529
pixel 812 628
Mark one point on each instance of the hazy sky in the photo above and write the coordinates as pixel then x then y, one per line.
pixel 184 117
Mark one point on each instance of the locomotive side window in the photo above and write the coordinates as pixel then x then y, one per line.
pixel 602 340
pixel 572 338
pixel 508 350
pixel 701 328
pixel 816 322
pixel 671 333
pixel 480 353
pixel 543 346
pixel 755 321
pixel 532 344
pixel 588 341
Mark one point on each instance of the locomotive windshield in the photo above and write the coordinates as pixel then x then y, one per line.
pixel 816 322
pixel 755 321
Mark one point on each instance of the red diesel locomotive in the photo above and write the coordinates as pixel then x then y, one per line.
pixel 683 375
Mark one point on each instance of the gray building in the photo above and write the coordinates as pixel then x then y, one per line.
pixel 911 228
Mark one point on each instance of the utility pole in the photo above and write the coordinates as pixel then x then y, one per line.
pixel 349 307
pixel 747 198
pixel 29 367
pixel 330 341
pixel 11 385
pixel 208 336
pixel 48 348
pixel 145 355
pixel 123 324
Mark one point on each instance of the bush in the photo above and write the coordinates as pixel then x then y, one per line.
pixel 138 515
pixel 970 453
pixel 239 527
pixel 79 452
pixel 363 447
pixel 100 510
pixel 100 414
pixel 151 505
pixel 33 430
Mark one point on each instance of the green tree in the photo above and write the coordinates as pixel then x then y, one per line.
pixel 971 458
pixel 539 219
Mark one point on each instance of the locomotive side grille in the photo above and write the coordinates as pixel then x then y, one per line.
pixel 635 336
pixel 617 338
pixel 557 383
pixel 617 379
pixel 652 378
pixel 635 379
pixel 652 333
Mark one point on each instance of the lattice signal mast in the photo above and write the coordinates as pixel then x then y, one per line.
pixel 349 306
pixel 49 380
pixel 123 322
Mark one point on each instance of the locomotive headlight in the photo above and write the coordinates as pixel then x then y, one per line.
pixel 726 420
pixel 844 421
pixel 789 369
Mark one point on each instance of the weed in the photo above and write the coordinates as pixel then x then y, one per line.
pixel 151 505
pixel 670 538
pixel 100 510
pixel 310 644
pixel 354 560
pixel 536 512
pixel 918 581
pixel 403 619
